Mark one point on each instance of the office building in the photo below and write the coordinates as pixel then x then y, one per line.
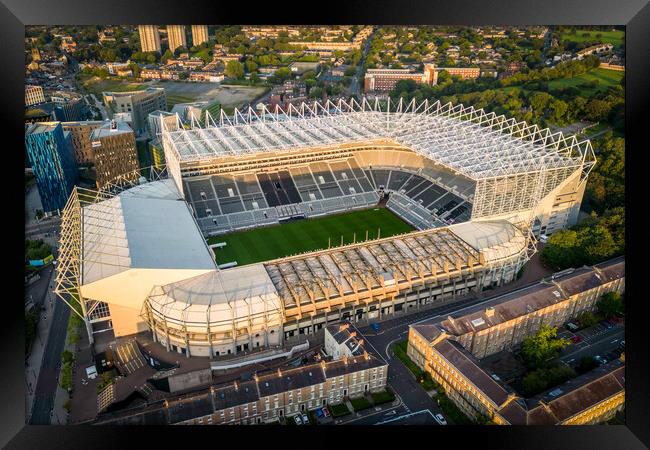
pixel 80 139
pixel 199 34
pixel 50 155
pixel 139 104
pixel 176 37
pixel 149 38
pixel 115 152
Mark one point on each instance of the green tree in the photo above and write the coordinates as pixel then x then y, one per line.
pixel 610 304
pixel 166 56
pixel 234 69
pixel 536 350
pixel 316 92
pixel 587 319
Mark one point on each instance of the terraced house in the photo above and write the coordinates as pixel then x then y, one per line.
pixel 451 350
pixel 354 369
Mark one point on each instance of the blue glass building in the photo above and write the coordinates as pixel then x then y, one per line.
pixel 51 156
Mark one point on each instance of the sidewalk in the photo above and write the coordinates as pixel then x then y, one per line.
pixel 35 359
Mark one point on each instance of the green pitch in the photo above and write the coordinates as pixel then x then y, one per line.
pixel 263 244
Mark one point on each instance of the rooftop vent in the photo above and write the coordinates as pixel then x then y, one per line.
pixel 478 322
pixel 557 294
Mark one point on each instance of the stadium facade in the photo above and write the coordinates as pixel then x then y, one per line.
pixel 478 187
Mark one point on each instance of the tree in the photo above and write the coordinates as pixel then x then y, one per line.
pixel 587 363
pixel 166 56
pixel 536 350
pixel 610 304
pixel 587 319
pixel 560 251
pixel 316 92
pixel 234 69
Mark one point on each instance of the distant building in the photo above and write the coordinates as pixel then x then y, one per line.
pixel 50 154
pixel 114 67
pixel 80 139
pixel 384 80
pixel 138 103
pixel 155 120
pixel 68 44
pixel 328 46
pixel 176 37
pixel 159 74
pixel 199 34
pixel 185 111
pixel 71 110
pixel 302 67
pixel 601 48
pixel 36 54
pixel 149 38
pixel 115 152
pixel 207 76
pixel 34 95
pixel 156 153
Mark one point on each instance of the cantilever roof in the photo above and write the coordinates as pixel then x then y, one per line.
pixel 468 141
pixel 148 227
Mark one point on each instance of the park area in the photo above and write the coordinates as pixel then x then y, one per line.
pixel 614 37
pixel 596 80
pixel 263 244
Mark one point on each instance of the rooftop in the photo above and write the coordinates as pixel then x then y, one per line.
pixel 468 141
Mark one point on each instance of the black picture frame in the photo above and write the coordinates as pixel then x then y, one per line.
pixel 634 14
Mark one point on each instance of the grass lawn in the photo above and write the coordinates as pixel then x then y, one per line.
pixel 97 85
pixel 382 397
pixel 173 99
pixel 424 378
pixel 339 410
pixel 360 403
pixel 613 37
pixel 263 244
pixel 605 78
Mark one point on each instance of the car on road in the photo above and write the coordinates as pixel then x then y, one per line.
pixel 375 327
pixel 305 419
pixel 297 419
pixel 575 339
pixel 606 324
pixel 440 419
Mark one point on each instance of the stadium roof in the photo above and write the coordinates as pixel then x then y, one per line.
pixel 148 227
pixel 469 141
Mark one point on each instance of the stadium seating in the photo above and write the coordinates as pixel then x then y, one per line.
pixel 423 193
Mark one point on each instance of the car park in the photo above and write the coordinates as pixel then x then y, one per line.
pixel 297 419
pixel 440 419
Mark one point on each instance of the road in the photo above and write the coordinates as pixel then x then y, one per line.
pixel 400 379
pixel 601 343
pixel 50 226
pixel 48 376
pixel 355 86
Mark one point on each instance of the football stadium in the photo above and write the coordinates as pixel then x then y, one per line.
pixel 266 226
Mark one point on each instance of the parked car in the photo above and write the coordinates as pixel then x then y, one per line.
pixel 326 412
pixel 622 345
pixel 319 413
pixel 305 419
pixel 606 324
pixel 572 326
pixel 575 339
pixel 600 359
pixel 440 419
pixel 297 419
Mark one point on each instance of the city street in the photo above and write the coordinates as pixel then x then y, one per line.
pixel 46 386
